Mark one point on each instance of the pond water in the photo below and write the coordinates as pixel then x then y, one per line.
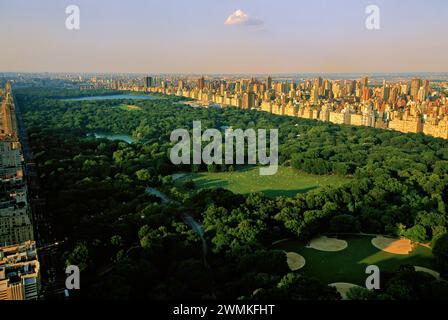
pixel 113 137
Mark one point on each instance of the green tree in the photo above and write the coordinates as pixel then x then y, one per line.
pixel 117 241
pixel 79 256
pixel 143 175
pixel 440 251
pixel 344 223
pixel 360 293
pixel 298 287
pixel 417 233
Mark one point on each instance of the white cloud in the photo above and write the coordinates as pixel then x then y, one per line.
pixel 239 17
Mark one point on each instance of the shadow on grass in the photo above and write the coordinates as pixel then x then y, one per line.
pixel 287 193
pixel 207 183
pixel 245 168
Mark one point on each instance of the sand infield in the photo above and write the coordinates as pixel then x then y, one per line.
pixel 328 244
pixel 434 273
pixel 343 288
pixel 295 261
pixel 394 246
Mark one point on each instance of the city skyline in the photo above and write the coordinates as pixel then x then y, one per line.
pixel 226 37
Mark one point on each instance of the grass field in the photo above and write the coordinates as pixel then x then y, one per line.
pixel 130 107
pixel 287 182
pixel 350 264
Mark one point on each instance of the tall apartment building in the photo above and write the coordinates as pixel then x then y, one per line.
pixel 406 122
pixel 340 117
pixel 15 219
pixel 19 268
pixel 19 272
pixel 15 224
pixel 436 127
pixel 10 160
pixel 248 100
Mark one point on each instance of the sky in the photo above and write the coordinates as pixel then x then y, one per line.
pixel 224 36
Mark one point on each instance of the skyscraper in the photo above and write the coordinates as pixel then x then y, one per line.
pixel 415 87
pixel 201 83
pixel 269 83
pixel 385 93
pixel 292 86
pixel 318 83
pixel 366 94
pixel 365 82
pixel 148 82
pixel 422 94
pixel 314 94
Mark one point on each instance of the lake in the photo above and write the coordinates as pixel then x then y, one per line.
pixel 115 97
pixel 114 137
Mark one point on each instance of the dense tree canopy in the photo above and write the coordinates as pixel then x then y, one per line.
pixel 95 192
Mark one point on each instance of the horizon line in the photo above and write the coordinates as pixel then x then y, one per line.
pixel 223 73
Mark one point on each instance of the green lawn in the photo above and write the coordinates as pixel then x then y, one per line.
pixel 130 107
pixel 287 182
pixel 350 264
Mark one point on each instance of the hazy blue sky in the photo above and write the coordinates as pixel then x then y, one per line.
pixel 191 36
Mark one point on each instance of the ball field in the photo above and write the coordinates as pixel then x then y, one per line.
pixel 337 263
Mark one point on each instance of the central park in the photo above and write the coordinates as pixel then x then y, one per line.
pixel 343 198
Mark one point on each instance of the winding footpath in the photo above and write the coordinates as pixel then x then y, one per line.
pixel 188 219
